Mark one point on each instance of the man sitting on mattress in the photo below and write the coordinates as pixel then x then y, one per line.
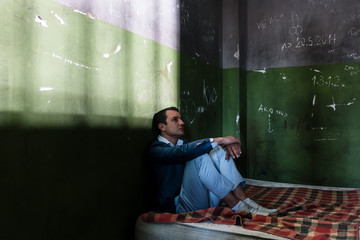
pixel 195 175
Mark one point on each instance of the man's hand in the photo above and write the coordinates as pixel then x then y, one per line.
pixel 232 146
pixel 233 150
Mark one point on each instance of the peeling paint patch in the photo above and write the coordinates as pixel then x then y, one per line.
pixel 107 55
pixel 168 67
pixel 87 14
pixel 315 70
pixel 41 21
pixel 118 48
pixel 260 70
pixel 46 89
pixel 237 53
pixel 62 22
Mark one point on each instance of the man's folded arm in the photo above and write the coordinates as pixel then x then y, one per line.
pixel 163 153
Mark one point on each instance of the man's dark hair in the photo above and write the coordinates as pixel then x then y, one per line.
pixel 160 117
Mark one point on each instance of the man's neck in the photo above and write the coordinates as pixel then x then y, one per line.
pixel 171 139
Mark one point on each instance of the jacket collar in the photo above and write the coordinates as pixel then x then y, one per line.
pixel 164 140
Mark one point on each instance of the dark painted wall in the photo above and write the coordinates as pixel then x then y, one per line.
pixel 300 122
pixel 76 183
pixel 201 30
pixel 200 68
pixel 299 33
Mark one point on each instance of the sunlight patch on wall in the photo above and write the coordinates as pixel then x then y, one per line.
pixel 69 69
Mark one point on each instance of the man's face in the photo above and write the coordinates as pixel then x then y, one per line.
pixel 174 126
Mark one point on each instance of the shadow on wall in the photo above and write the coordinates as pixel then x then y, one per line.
pixel 77 183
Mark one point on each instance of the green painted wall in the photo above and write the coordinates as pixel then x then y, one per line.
pixel 301 123
pixel 77 97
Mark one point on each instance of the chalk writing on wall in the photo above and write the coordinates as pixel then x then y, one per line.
pixel 193 105
pixel 270 21
pixel 333 105
pixel 353 70
pixel 330 81
pixel 270 111
pixel 71 62
pixel 187 107
pixel 209 94
pixel 318 32
pixel 332 99
pixel 311 41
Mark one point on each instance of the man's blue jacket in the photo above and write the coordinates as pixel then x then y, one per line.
pixel 168 164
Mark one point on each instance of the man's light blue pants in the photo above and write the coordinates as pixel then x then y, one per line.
pixel 207 179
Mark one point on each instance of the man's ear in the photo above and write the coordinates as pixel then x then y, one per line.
pixel 161 126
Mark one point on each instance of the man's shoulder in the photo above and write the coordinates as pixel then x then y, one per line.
pixel 156 147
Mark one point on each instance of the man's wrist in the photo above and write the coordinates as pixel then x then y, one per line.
pixel 218 140
pixel 213 143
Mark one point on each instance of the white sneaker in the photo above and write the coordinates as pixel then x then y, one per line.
pixel 242 206
pixel 257 207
